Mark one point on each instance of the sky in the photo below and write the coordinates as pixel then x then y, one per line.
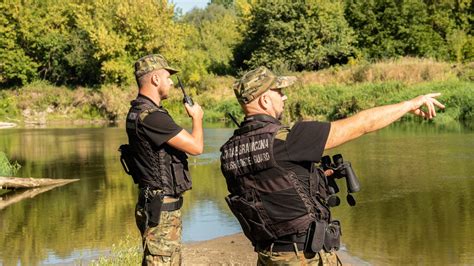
pixel 187 5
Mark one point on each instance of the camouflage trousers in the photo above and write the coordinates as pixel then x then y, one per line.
pixel 293 258
pixel 162 243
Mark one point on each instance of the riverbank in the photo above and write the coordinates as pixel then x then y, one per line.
pixel 233 249
pixel 236 250
pixel 324 95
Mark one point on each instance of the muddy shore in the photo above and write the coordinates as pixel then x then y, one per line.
pixel 235 250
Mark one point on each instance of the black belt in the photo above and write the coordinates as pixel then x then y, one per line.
pixel 172 206
pixel 283 244
pixel 167 206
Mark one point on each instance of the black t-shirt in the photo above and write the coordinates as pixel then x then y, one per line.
pixel 160 127
pixel 303 146
pixel 304 143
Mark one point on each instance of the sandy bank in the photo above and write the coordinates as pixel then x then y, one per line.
pixel 235 250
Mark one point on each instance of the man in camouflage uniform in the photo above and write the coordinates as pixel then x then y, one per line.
pixel 276 191
pixel 156 158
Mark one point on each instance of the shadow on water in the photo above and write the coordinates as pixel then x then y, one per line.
pixel 416 198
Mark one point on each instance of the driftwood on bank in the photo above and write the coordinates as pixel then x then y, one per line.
pixel 27 188
pixel 16 196
pixel 7 125
pixel 16 182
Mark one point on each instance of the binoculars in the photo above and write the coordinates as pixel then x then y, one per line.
pixel 341 170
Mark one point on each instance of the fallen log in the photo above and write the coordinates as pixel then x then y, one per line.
pixel 16 196
pixel 7 125
pixel 16 182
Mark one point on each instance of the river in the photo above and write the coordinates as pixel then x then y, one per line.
pixel 415 205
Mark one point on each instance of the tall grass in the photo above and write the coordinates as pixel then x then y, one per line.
pixel 405 70
pixel 8 168
pixel 126 252
pixel 338 101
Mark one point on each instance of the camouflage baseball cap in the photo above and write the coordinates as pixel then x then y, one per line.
pixel 255 82
pixel 150 63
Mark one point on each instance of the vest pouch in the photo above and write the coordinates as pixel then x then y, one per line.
pixel 181 178
pixel 315 238
pixel 250 219
pixel 128 163
pixel 284 205
pixel 332 240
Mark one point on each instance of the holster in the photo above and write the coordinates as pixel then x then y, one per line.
pixel 154 210
pixel 315 238
pixel 153 206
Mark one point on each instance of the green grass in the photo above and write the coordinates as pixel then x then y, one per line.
pixel 338 101
pixel 126 252
pixel 8 168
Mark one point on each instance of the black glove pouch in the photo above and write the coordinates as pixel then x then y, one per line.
pixel 332 240
pixel 314 238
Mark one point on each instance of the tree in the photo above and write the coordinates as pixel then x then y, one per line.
pixel 439 29
pixel 16 67
pixel 84 42
pixel 123 31
pixel 299 35
pixel 224 3
pixel 40 37
pixel 216 36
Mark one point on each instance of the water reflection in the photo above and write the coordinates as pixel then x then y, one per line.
pixel 415 205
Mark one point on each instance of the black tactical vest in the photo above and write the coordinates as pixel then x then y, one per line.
pixel 163 167
pixel 268 200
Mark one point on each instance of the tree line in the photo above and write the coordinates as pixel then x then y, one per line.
pixel 95 42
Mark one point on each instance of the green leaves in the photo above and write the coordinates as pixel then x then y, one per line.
pixel 419 28
pixel 214 36
pixel 302 35
pixel 95 42
pixel 84 42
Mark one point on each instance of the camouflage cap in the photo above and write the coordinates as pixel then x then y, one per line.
pixel 150 63
pixel 255 82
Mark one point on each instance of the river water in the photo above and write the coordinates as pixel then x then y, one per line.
pixel 415 205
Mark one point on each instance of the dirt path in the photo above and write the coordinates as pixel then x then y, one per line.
pixel 235 250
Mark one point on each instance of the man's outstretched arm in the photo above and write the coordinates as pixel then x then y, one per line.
pixel 376 118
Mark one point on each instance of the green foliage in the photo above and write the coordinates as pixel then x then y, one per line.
pixel 438 29
pixel 84 42
pixel 215 37
pixel 123 31
pixel 93 43
pixel 16 66
pixel 339 101
pixel 225 3
pixel 8 168
pixel 8 105
pixel 43 101
pixel 126 252
pixel 466 72
pixel 299 35
pixel 330 94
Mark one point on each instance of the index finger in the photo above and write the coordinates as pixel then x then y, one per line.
pixel 433 95
pixel 437 103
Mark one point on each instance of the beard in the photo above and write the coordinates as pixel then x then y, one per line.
pixel 279 116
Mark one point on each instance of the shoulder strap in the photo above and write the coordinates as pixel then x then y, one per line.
pixel 249 127
pixel 256 122
pixel 282 133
